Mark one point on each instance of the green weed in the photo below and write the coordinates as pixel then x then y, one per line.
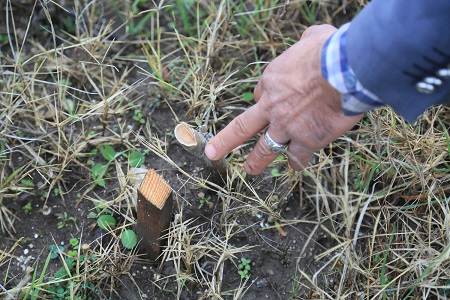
pixel 244 268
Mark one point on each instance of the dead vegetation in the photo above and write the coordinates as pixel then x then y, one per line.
pixel 79 75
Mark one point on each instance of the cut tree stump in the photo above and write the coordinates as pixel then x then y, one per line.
pixel 154 213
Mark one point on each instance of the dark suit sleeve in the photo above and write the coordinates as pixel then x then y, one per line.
pixel 394 45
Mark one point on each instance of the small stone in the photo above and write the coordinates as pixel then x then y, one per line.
pixel 31 246
pixel 36 235
pixel 270 272
pixel 262 283
pixel 287 208
pixel 144 267
pixel 46 210
pixel 25 251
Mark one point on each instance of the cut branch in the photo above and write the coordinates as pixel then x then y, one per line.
pixel 195 142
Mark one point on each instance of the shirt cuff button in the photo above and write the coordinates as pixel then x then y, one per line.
pixel 424 87
pixel 443 73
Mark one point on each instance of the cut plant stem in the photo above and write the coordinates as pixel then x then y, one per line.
pixel 154 213
pixel 195 142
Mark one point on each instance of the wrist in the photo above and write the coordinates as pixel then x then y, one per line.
pixel 355 99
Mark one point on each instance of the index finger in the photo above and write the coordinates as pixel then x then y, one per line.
pixel 241 129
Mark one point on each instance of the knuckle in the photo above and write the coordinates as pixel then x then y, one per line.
pixel 250 168
pixel 240 127
pixel 259 158
pixel 223 142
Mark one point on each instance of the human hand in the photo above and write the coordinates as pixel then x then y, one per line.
pixel 296 104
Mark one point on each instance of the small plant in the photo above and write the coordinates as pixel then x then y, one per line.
pixel 135 159
pixel 274 172
pixel 247 96
pixel 27 183
pixel 244 268
pixel 104 217
pixel 106 221
pixel 65 220
pixel 3 38
pixel 75 243
pixel 308 12
pixel 61 283
pixel 138 117
pixel 129 239
pixel 134 28
pixel 99 210
pixel 203 200
pixel 55 250
pixel 27 208
pixel 99 170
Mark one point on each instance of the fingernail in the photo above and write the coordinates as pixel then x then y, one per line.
pixel 210 151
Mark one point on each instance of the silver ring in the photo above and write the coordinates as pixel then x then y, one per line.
pixel 274 146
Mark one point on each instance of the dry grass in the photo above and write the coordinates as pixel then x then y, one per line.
pixel 75 82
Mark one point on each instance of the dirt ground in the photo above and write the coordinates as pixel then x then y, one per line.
pixel 274 258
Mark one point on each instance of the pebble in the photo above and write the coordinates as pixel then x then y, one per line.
pixel 36 235
pixel 25 251
pixel 144 267
pixel 262 283
pixel 46 210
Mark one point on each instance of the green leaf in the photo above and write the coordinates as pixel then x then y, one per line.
pixel 108 152
pixel 72 253
pixel 129 239
pixel 275 172
pixel 106 221
pixel 280 157
pixel 245 261
pixel 247 96
pixel 61 273
pixel 27 183
pixel 100 182
pixel 92 215
pixel 54 249
pixel 136 159
pixel 74 242
pixel 98 171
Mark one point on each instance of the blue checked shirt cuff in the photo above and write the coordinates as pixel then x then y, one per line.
pixel 336 69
